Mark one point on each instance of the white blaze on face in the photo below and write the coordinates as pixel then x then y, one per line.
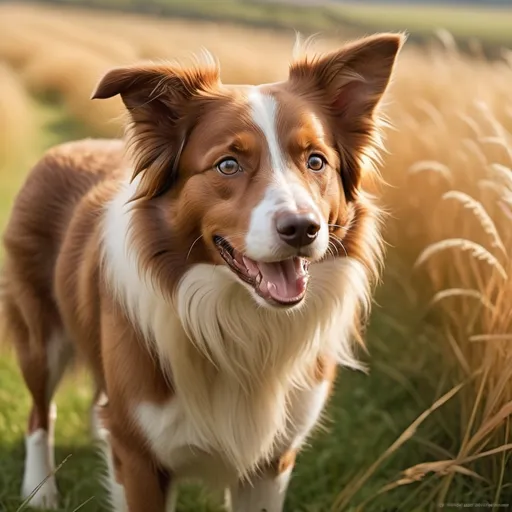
pixel 285 191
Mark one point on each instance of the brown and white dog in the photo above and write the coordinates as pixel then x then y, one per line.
pixel 212 278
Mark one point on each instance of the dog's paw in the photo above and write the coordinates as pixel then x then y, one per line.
pixel 46 497
pixel 39 486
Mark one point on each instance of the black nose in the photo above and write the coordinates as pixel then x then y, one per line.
pixel 297 229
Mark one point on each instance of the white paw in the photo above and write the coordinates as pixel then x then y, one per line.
pixel 46 497
pixel 38 472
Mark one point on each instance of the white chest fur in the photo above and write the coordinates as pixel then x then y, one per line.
pixel 237 368
pixel 179 447
pixel 242 373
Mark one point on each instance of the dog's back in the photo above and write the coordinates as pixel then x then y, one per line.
pixel 46 204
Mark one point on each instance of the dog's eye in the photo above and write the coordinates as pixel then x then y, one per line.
pixel 228 166
pixel 316 163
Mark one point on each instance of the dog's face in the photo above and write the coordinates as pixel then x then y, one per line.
pixel 260 179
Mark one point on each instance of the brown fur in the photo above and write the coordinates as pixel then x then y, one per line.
pixel 54 275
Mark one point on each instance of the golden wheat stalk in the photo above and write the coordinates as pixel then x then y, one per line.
pixel 477 251
pixel 486 113
pixel 500 142
pixel 503 173
pixel 490 337
pixel 491 185
pixel 432 166
pixel 442 467
pixel 480 213
pixel 461 292
pixel 494 451
pixel 486 428
pixel 432 112
pixel 505 197
pixel 447 40
pixel 472 124
pixel 473 148
pixel 418 472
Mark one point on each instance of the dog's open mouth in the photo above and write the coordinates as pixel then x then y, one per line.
pixel 281 282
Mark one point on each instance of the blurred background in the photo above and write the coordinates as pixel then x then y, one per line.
pixel 430 423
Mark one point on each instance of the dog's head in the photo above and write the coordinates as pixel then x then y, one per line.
pixel 261 179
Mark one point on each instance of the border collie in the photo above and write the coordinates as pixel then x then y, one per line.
pixel 211 271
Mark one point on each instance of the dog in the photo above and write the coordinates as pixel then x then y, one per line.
pixel 212 270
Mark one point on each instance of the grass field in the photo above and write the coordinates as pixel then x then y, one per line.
pixel 441 328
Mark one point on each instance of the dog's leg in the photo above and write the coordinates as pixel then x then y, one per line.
pixel 117 495
pixel 133 481
pixel 145 486
pixel 43 359
pixel 266 492
pixel 115 490
pixel 101 435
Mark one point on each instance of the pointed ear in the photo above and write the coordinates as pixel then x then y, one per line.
pixel 347 86
pixel 160 100
pixel 353 79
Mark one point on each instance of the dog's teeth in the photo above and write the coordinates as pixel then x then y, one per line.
pixel 259 277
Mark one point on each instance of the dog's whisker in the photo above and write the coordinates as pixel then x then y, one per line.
pixel 192 246
pixel 337 226
pixel 337 243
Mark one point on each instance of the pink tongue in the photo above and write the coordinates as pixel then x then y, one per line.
pixel 284 280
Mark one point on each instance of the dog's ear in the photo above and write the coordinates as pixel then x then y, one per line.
pixel 348 85
pixel 160 100
pixel 354 78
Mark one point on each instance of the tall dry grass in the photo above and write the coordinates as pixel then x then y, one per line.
pixel 67 51
pixel 450 170
pixel 450 194
pixel 17 118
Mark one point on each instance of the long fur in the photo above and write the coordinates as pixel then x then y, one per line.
pixel 233 379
